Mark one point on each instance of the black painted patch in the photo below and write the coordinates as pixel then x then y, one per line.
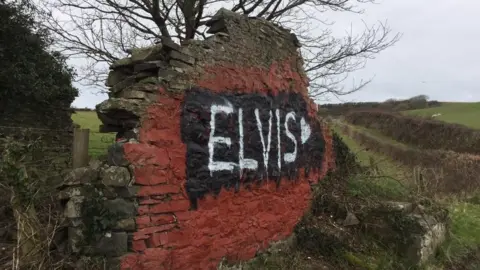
pixel 196 129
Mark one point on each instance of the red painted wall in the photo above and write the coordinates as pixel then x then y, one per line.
pixel 234 225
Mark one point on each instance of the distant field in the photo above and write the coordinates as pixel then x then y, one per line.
pixel 467 114
pixel 464 214
pixel 98 142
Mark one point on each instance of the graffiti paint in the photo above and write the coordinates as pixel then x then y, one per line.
pixel 235 139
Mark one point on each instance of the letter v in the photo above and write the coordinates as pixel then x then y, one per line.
pixel 266 149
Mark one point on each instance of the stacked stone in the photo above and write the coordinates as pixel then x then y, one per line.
pixel 136 81
pixel 99 200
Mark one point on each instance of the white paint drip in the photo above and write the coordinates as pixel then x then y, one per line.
pixel 306 130
pixel 213 140
pixel 279 162
pixel 242 161
pixel 266 149
pixel 290 157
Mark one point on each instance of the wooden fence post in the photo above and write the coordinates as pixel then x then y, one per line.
pixel 80 147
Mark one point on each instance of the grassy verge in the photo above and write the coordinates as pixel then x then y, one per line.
pixel 460 251
pixel 387 179
pixel 98 142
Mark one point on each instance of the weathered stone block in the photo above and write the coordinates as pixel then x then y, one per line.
pixel 116 76
pixel 128 81
pixel 115 176
pixel 179 64
pixel 350 220
pixel 149 80
pixel 167 74
pixel 415 231
pixel 80 176
pixel 73 208
pixel 133 94
pixel 150 65
pixel 121 112
pixel 121 208
pixel 146 54
pixel 219 38
pixel 145 74
pixel 127 224
pixel 124 62
pixel 95 164
pixel 170 45
pixel 70 192
pixel 421 247
pixel 179 85
pixel 182 57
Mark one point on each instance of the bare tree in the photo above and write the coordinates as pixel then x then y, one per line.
pixel 102 31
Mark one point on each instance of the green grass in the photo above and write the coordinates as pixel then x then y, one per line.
pixel 464 215
pixel 388 180
pixel 98 142
pixel 455 112
pixel 465 227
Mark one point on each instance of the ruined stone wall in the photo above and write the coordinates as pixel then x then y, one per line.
pixel 221 142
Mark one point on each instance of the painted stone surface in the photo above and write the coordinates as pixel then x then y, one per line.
pixel 190 214
pixel 238 139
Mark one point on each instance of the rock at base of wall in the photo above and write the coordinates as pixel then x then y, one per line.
pixel 415 231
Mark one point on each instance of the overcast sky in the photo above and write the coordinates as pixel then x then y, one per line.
pixel 438 54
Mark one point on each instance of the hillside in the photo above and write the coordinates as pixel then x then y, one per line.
pixel 453 112
pixel 461 250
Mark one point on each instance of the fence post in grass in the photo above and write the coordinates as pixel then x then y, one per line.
pixel 80 147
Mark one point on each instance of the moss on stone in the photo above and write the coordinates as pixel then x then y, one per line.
pixel 146 53
pixel 149 80
pixel 122 62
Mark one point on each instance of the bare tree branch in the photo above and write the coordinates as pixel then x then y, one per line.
pixel 103 31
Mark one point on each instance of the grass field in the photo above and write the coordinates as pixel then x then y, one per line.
pixel 454 112
pixel 464 214
pixel 98 142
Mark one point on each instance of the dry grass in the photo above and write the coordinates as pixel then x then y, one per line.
pixel 461 250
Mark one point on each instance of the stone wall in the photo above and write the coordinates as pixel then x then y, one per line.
pixel 221 143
